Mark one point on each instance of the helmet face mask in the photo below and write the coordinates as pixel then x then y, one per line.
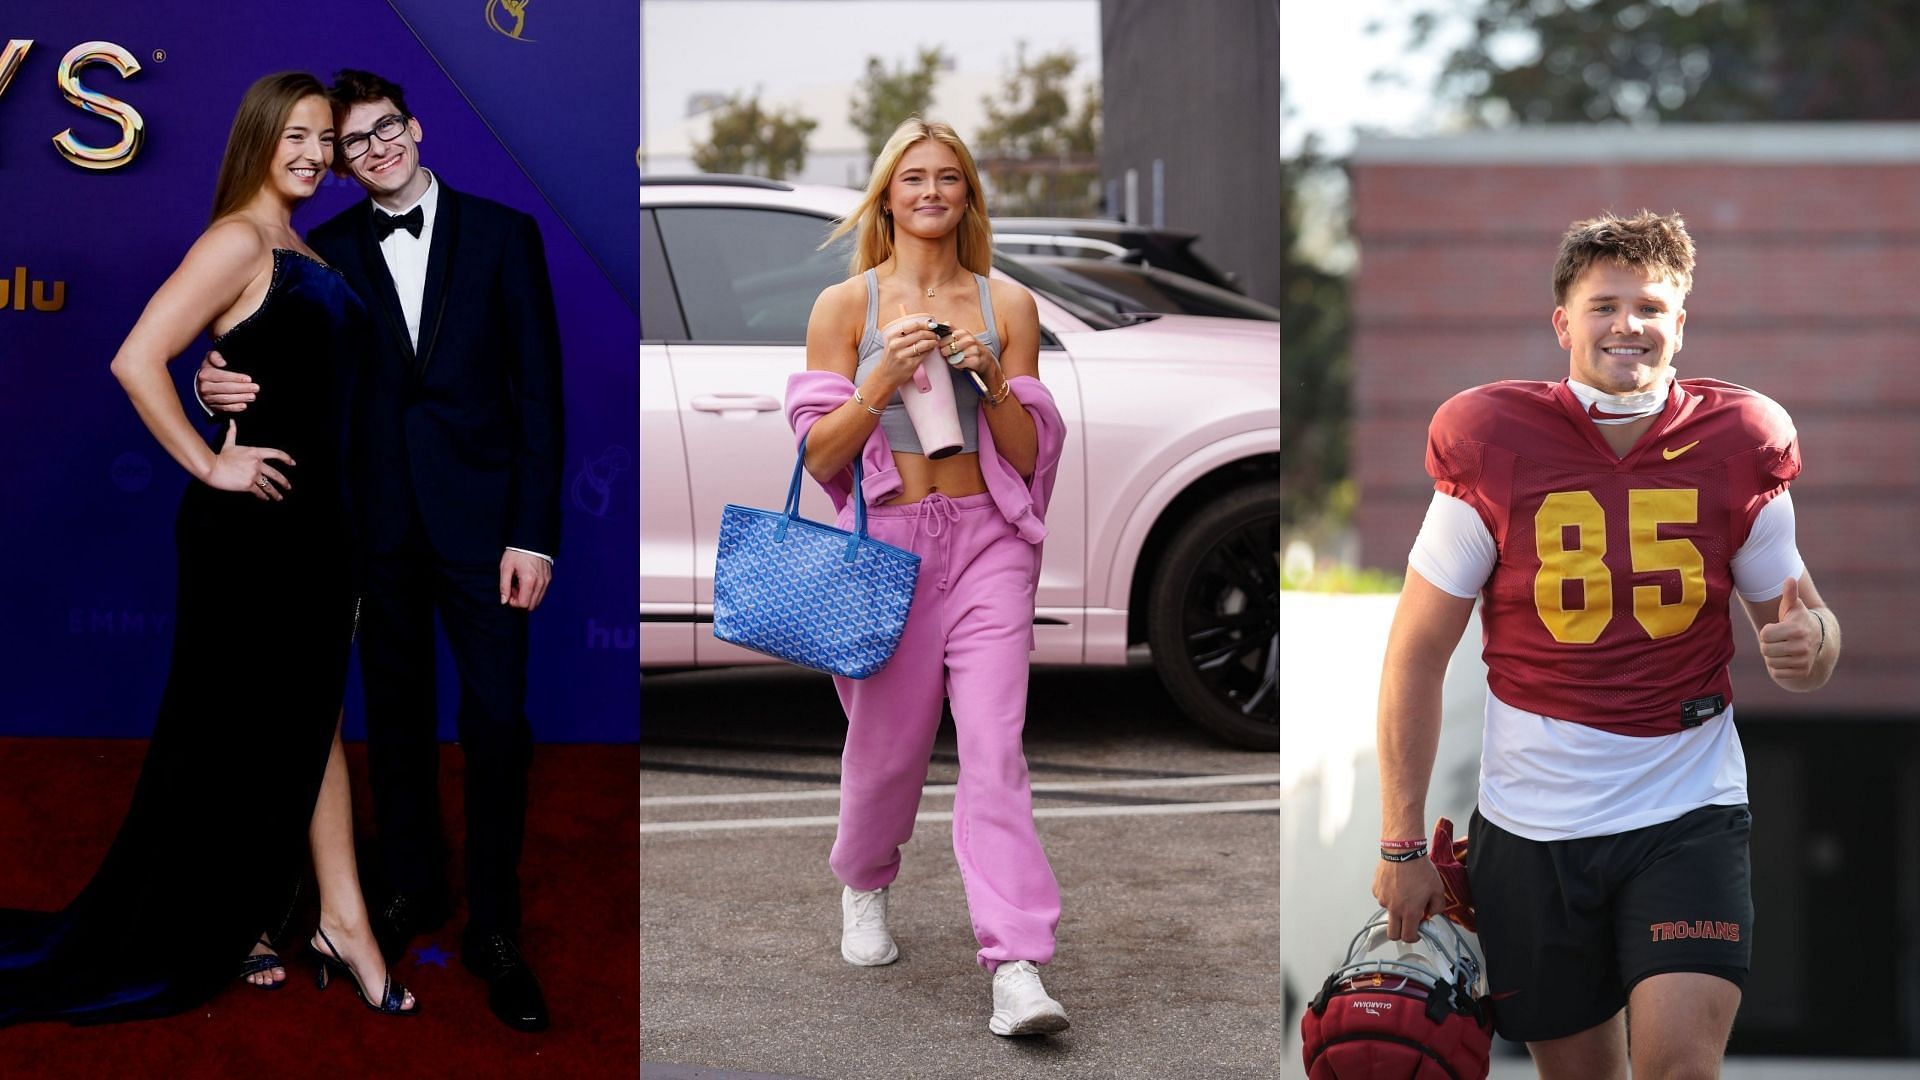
pixel 1445 952
pixel 1399 1008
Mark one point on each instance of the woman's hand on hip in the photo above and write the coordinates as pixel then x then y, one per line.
pixel 246 468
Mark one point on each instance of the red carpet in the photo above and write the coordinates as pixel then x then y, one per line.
pixel 61 799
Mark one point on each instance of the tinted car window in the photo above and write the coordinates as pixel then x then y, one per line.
pixel 1139 287
pixel 1096 313
pixel 1111 301
pixel 748 275
pixel 659 310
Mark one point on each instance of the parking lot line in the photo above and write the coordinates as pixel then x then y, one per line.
pixel 1204 780
pixel 931 816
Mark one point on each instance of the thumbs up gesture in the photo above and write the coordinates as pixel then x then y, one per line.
pixel 1790 643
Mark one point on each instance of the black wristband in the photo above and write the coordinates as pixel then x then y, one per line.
pixel 1404 856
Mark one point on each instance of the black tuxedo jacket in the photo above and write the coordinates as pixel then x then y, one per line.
pixel 464 431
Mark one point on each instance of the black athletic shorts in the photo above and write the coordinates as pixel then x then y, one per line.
pixel 1569 927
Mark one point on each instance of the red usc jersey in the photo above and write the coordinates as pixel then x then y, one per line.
pixel 1609 603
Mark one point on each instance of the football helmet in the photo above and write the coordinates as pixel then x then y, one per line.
pixel 1400 1009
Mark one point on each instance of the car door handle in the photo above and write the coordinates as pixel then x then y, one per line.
pixel 722 403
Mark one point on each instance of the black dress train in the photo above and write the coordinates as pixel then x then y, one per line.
pixel 215 841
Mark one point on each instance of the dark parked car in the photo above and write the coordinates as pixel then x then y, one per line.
pixel 1165 249
pixel 1131 287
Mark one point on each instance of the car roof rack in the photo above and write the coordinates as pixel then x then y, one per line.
pixel 717 180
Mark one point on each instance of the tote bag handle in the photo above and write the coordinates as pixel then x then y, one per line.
pixel 859 535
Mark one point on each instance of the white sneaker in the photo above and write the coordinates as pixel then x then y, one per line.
pixel 864 938
pixel 1021 1005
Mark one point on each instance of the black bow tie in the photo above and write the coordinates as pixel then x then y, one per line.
pixel 385 224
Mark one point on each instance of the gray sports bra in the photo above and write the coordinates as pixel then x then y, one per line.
pixel 966 396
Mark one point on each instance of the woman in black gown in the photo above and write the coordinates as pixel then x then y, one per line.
pixel 245 756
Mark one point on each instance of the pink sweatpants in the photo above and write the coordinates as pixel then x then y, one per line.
pixel 967 639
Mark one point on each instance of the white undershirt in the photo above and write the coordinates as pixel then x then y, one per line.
pixel 1548 779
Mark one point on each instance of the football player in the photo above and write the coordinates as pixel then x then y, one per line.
pixel 1605 520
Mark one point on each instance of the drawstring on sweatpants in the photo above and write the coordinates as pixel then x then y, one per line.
pixel 934 513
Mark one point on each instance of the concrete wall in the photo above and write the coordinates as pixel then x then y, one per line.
pixel 1197 86
pixel 1807 288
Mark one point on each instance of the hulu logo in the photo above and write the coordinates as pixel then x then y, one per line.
pixel 13 293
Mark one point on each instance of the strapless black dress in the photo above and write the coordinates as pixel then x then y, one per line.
pixel 215 840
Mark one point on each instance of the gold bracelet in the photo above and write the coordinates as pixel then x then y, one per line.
pixel 862 402
pixel 1006 387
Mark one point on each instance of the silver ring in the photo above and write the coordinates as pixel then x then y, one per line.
pixel 263 482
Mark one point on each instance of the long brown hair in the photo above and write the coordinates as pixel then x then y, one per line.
pixel 873 230
pixel 256 128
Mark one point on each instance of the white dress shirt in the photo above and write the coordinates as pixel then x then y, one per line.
pixel 406 255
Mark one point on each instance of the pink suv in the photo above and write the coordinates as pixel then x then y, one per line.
pixel 1165 524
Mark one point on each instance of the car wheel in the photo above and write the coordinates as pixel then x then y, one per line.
pixel 1213 618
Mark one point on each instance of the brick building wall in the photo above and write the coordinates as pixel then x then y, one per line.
pixel 1807 288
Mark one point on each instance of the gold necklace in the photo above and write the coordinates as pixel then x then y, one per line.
pixel 942 281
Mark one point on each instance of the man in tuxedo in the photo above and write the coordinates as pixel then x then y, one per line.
pixel 457 467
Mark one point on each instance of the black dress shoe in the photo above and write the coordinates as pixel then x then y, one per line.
pixel 405 917
pixel 512 992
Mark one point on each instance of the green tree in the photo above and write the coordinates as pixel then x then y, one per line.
pixel 1568 61
pixel 1041 153
pixel 884 98
pixel 1031 115
pixel 746 138
pixel 1315 366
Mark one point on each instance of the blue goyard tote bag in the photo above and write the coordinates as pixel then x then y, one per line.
pixel 807 593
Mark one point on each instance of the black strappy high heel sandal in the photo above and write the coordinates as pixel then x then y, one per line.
pixel 392 995
pixel 255 964
pixel 262 962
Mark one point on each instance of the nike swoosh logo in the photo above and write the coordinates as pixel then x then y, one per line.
pixel 1672 453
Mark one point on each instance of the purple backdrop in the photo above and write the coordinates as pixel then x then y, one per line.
pixel 86 495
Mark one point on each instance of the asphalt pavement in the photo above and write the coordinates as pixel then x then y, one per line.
pixel 1164 840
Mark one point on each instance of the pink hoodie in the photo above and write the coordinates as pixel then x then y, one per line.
pixel 813 394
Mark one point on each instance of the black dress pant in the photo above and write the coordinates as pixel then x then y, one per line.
pixel 488 639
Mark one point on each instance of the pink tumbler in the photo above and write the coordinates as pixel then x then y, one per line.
pixel 929 400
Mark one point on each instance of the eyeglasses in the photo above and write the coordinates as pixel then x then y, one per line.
pixel 387 130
